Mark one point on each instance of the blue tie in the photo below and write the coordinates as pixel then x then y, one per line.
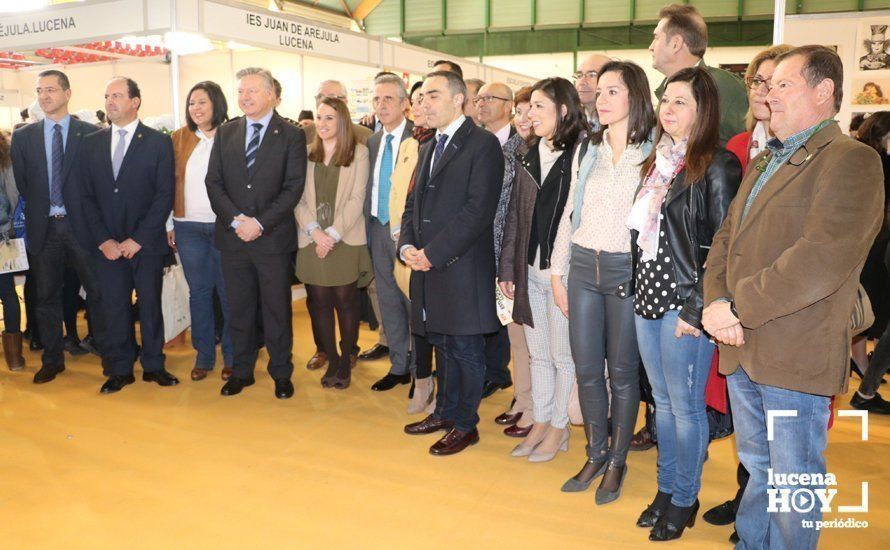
pixel 440 148
pixel 383 183
pixel 55 193
pixel 254 145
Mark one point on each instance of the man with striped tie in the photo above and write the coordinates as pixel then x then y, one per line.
pixel 254 180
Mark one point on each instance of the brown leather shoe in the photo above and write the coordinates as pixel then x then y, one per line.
pixel 454 442
pixel 226 373
pixel 507 419
pixel 428 425
pixel 319 360
pixel 642 440
pixel 199 374
pixel 518 431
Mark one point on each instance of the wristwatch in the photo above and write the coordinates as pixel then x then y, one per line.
pixel 733 309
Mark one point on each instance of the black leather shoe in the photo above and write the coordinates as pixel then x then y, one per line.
pixel 106 367
pixel 284 389
pixel 47 373
pixel 160 377
pixel 234 385
pixel 875 404
pixel 89 344
pixel 390 381
pixel 734 537
pixel 675 520
pixel 722 514
pixel 490 387
pixel 654 511
pixel 376 352
pixel 72 346
pixel 114 384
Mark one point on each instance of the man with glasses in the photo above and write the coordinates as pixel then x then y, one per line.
pixel 336 90
pixel 585 83
pixel 473 87
pixel 494 106
pixel 678 42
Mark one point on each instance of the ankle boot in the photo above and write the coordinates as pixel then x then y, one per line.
pixel 12 350
pixel 592 468
pixel 675 520
pixel 654 511
pixel 423 395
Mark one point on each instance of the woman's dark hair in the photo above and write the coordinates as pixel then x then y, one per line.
pixel 415 86
pixel 217 99
pixel 641 118
pixel 704 136
pixel 345 151
pixel 874 131
pixel 5 158
pixel 561 92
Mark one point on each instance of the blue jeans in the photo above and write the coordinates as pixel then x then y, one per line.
pixel 678 371
pixel 800 442
pixel 203 272
pixel 12 313
pixel 460 379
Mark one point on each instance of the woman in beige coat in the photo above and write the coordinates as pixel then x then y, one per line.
pixel 333 260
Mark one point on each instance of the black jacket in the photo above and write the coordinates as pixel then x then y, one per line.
pixel 694 211
pixel 136 204
pixel 450 215
pixel 269 194
pixel 29 166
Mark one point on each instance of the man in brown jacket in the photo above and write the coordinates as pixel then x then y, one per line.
pixel 781 283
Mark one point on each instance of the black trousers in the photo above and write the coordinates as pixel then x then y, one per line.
pixel 254 278
pixel 497 358
pixel 118 279
pixel 60 252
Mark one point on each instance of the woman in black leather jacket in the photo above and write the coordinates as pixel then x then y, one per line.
pixel 688 185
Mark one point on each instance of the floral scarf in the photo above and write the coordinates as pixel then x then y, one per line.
pixel 645 216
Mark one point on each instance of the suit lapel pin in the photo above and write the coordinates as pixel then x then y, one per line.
pixel 139 136
pixel 275 131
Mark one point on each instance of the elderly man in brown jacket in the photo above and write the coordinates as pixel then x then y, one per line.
pixel 781 283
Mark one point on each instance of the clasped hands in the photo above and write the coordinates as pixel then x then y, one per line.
pixel 720 322
pixel 248 229
pixel 113 250
pixel 324 243
pixel 416 259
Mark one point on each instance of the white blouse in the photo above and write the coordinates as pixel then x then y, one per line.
pixel 197 203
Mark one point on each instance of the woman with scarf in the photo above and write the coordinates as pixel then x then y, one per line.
pixel 593 247
pixel 689 182
pixel 402 183
pixel 540 190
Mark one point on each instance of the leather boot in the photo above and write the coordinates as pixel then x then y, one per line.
pixel 12 350
pixel 423 395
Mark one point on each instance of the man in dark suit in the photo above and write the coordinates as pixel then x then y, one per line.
pixel 447 240
pixel 390 100
pixel 127 172
pixel 255 179
pixel 44 155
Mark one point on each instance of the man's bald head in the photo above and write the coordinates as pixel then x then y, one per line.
pixel 494 105
pixel 585 80
pixel 333 89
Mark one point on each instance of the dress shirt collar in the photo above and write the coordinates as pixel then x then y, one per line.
pixel 130 128
pixel 452 128
pixel 264 121
pixel 503 134
pixel 396 132
pixel 65 123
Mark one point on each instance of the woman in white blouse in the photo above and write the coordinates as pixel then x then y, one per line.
pixel 593 247
pixel 193 222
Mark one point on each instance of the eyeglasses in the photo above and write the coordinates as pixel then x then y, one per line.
pixel 488 99
pixel 590 75
pixel 755 82
pixel 319 97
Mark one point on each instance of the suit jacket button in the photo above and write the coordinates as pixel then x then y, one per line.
pixel 115 189
pixel 249 186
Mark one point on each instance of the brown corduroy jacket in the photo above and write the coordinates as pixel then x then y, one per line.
pixel 792 265
pixel 184 142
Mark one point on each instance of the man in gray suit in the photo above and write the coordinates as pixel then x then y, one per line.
pixel 390 101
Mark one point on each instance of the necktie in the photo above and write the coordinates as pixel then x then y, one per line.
pixel 118 157
pixel 383 183
pixel 440 148
pixel 55 190
pixel 253 146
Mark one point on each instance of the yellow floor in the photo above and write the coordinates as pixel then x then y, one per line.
pixel 183 467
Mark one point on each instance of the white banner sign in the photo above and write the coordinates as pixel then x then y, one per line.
pixel 69 23
pixel 281 32
pixel 9 98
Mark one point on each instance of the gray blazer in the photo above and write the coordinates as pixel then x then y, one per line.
pixel 373 150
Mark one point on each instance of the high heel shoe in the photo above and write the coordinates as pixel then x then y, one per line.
pixel 523 450
pixel 675 520
pixel 543 456
pixel 605 496
pixel 594 467
pixel 654 511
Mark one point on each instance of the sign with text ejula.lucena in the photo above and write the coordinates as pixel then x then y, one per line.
pixel 280 32
pixel 69 23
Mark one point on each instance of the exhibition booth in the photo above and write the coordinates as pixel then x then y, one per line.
pixel 168 46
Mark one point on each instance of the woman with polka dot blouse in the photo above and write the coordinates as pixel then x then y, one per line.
pixel 687 187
